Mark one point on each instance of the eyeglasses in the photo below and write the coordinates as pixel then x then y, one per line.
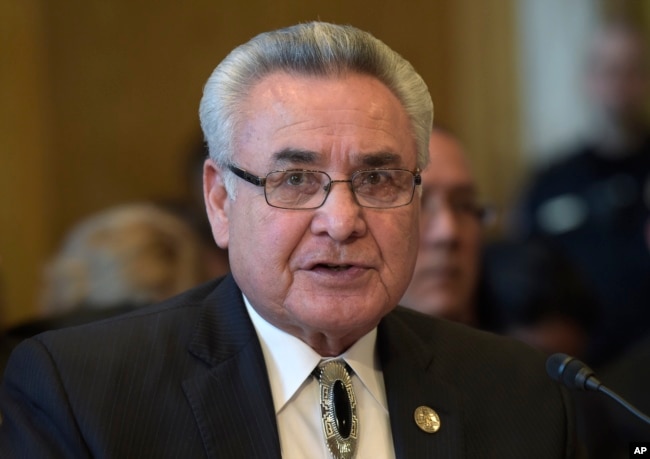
pixel 463 208
pixel 304 189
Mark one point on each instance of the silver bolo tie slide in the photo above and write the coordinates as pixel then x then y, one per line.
pixel 338 408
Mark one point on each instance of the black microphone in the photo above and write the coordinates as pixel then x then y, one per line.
pixel 575 374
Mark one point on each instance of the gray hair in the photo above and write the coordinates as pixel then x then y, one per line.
pixel 314 48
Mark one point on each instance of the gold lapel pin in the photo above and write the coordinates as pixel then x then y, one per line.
pixel 427 419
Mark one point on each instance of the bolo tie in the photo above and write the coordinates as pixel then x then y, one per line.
pixel 338 408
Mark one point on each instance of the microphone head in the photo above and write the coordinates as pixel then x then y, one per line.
pixel 556 364
pixel 571 372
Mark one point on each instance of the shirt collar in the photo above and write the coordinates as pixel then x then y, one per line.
pixel 289 361
pixel 364 360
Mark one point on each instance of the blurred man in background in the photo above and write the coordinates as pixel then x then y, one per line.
pixel 592 206
pixel 112 262
pixel 446 271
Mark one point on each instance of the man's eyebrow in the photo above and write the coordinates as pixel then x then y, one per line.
pixel 294 156
pixel 465 192
pixel 380 159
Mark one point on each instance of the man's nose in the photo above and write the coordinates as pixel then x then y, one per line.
pixel 439 222
pixel 340 216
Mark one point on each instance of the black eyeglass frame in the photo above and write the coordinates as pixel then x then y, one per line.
pixel 261 182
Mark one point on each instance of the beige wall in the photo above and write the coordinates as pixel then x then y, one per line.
pixel 99 99
pixel 25 180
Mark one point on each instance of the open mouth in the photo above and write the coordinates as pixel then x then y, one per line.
pixel 333 267
pixel 339 275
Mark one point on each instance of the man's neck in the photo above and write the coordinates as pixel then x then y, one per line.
pixel 327 345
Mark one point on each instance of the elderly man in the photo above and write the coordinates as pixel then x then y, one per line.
pixel 445 276
pixel 317 134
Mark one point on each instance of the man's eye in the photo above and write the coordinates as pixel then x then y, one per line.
pixel 304 181
pixel 467 207
pixel 373 179
pixel 295 179
pixel 376 178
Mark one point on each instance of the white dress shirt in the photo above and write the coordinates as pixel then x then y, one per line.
pixel 289 362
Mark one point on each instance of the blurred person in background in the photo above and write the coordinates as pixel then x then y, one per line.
pixel 114 261
pixel 591 204
pixel 447 268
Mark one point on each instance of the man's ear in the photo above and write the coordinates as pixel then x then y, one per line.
pixel 217 203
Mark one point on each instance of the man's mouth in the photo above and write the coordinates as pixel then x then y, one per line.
pixel 333 274
pixel 332 267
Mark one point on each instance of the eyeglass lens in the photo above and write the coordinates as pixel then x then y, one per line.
pixel 309 189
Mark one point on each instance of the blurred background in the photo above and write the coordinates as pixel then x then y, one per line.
pixel 99 98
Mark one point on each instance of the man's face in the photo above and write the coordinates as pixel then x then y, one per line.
pixel 445 274
pixel 326 275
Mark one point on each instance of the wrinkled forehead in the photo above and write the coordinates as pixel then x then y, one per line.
pixel 298 119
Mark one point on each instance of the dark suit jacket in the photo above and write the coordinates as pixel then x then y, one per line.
pixel 187 379
pixel 83 315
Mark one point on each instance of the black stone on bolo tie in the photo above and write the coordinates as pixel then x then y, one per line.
pixel 338 408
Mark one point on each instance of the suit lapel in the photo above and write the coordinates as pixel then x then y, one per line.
pixel 408 365
pixel 230 395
